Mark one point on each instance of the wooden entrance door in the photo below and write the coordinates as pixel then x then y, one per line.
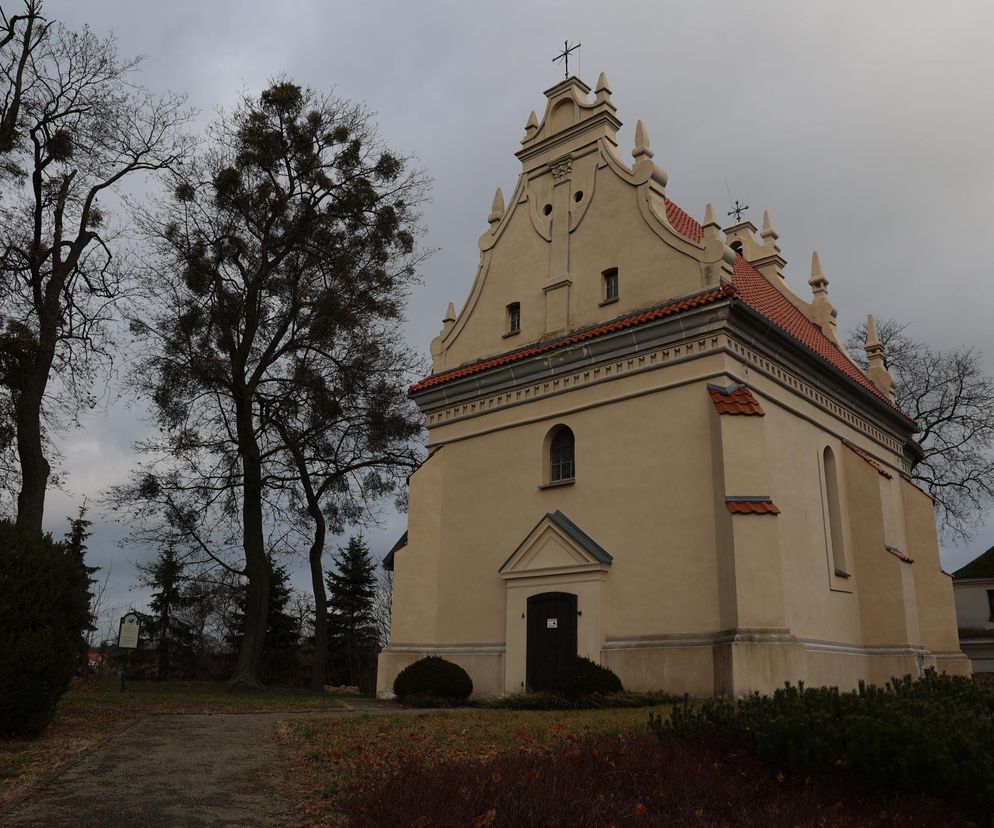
pixel 551 637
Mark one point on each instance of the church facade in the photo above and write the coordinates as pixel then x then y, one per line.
pixel 645 448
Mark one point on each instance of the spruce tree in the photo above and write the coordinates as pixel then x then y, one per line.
pixel 352 635
pixel 173 636
pixel 282 628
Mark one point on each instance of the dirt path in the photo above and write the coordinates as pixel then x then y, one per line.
pixel 192 770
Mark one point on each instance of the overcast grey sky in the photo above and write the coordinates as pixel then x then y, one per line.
pixel 866 129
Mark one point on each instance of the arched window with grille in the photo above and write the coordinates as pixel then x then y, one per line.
pixel 562 455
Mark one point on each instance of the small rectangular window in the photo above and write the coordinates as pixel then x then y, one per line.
pixel 611 285
pixel 990 602
pixel 514 317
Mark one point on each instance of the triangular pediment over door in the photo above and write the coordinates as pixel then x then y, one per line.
pixel 555 546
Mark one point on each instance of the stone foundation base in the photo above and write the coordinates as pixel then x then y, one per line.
pixel 729 664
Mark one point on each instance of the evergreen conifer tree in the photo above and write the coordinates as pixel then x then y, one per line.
pixel 282 628
pixel 173 636
pixel 352 634
pixel 75 546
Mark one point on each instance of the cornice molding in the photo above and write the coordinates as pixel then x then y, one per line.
pixel 724 326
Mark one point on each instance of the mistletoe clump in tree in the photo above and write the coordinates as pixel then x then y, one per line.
pixel 286 244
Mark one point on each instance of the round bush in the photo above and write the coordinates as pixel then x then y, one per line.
pixel 583 677
pixel 433 677
pixel 44 610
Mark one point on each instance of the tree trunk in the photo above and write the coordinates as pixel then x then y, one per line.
pixel 256 563
pixel 319 670
pixel 35 469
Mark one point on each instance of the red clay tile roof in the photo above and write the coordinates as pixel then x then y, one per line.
pixel 751 506
pixel 754 289
pixel 748 285
pixel 857 450
pixel 736 399
pixel 657 312
pixel 683 223
pixel 904 556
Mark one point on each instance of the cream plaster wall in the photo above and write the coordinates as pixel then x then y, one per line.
pixel 696 599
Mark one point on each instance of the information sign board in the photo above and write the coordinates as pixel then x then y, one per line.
pixel 127 635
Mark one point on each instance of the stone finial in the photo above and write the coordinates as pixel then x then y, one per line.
pixel 532 126
pixel 497 208
pixel 642 146
pixel 768 233
pixel 822 312
pixel 712 230
pixel 765 257
pixel 602 90
pixel 873 345
pixel 449 319
pixel 877 360
pixel 818 281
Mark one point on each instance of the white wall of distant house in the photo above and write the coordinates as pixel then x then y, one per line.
pixel 973 609
pixel 973 612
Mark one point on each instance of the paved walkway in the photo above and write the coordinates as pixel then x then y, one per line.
pixel 184 771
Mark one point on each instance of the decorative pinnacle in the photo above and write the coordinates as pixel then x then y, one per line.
pixel 709 217
pixel 497 208
pixel 817 281
pixel 532 123
pixel 450 313
pixel 602 85
pixel 768 232
pixel 872 343
pixel 642 146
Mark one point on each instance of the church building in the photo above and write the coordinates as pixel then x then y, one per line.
pixel 647 448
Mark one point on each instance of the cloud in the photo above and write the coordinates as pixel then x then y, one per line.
pixel 858 125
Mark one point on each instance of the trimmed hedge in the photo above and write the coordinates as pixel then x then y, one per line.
pixel 583 677
pixel 433 678
pixel 933 735
pixel 44 611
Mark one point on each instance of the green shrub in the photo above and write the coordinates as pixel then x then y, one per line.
pixel 433 678
pixel 44 611
pixel 934 735
pixel 583 677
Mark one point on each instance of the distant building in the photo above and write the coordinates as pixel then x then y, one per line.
pixel 647 449
pixel 973 587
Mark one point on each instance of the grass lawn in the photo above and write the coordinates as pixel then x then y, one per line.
pixel 94 710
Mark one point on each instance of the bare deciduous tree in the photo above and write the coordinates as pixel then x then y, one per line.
pixel 20 35
pixel 292 233
pixel 951 397
pixel 383 605
pixel 81 127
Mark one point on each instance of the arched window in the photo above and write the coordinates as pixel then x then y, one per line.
pixel 836 530
pixel 562 455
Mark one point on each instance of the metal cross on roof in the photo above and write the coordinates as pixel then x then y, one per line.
pixel 737 210
pixel 564 55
